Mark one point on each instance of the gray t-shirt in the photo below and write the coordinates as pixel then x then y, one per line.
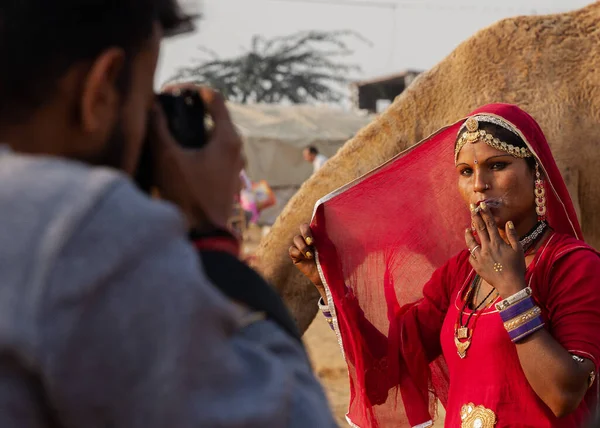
pixel 107 319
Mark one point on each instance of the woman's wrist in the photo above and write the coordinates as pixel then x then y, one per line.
pixel 322 293
pixel 520 314
pixel 326 311
pixel 511 288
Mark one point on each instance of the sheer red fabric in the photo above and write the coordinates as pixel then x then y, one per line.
pixel 383 248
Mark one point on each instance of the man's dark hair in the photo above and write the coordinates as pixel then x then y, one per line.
pixel 313 150
pixel 41 39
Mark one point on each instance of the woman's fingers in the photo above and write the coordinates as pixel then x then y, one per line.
pixel 307 234
pixel 490 223
pixel 300 244
pixel 513 238
pixel 472 244
pixel 480 227
pixel 295 254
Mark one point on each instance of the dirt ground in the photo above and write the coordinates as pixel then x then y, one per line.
pixel 325 354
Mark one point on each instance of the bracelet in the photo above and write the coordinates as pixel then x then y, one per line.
pixel 526 329
pixel 326 313
pixel 515 298
pixel 323 306
pixel 517 309
pixel 518 321
pixel 592 374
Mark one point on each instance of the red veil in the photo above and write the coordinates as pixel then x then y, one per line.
pixel 379 239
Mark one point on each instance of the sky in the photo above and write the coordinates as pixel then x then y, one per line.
pixel 404 34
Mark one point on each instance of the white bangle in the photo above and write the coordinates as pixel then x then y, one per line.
pixel 322 306
pixel 515 298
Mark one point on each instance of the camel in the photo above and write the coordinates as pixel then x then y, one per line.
pixel 549 65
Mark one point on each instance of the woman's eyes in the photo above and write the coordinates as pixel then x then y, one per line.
pixel 496 166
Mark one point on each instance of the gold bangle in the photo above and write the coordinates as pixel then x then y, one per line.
pixel 519 320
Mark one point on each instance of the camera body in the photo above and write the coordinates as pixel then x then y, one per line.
pixel 186 120
pixel 186 116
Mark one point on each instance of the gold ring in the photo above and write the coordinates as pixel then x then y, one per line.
pixel 498 267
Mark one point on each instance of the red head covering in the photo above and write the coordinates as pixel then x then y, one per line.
pixel 380 238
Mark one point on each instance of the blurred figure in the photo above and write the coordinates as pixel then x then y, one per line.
pixel 312 155
pixel 248 199
pixel 107 313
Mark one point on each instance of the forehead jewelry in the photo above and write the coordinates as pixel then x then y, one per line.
pixel 473 134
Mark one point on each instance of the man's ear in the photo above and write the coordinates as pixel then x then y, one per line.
pixel 100 100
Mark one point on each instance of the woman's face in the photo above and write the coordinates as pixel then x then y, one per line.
pixel 488 174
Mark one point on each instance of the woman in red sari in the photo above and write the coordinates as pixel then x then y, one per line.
pixel 500 322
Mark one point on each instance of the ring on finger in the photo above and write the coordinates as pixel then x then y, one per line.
pixel 472 251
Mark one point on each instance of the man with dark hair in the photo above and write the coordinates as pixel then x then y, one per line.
pixel 312 155
pixel 107 317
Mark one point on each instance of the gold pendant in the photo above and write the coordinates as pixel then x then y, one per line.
pixel 462 347
pixel 473 416
pixel 462 333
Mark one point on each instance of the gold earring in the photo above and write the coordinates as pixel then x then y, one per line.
pixel 540 194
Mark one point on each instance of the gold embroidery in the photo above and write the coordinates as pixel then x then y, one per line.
pixel 473 416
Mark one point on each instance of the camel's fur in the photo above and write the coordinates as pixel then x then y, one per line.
pixel 549 65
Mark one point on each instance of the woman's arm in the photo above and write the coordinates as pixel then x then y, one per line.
pixel 546 357
pixel 558 379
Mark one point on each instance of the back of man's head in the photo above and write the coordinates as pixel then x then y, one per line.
pixel 41 39
pixel 77 76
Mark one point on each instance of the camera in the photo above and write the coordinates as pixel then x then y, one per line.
pixel 188 124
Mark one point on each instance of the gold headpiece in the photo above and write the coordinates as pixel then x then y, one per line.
pixel 473 134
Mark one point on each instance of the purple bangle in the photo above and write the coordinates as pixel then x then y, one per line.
pixel 526 329
pixel 517 309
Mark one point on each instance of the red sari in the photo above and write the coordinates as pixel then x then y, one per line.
pixel 385 252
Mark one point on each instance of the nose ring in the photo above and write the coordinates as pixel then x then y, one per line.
pixel 487 187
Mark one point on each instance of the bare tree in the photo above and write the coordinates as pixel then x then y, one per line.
pixel 299 68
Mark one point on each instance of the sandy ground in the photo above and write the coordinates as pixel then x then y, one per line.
pixel 325 354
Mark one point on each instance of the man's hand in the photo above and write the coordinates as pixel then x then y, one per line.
pixel 201 182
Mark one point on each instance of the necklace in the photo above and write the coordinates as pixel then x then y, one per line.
pixel 463 335
pixel 531 237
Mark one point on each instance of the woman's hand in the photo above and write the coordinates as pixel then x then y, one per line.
pixel 500 264
pixel 302 253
